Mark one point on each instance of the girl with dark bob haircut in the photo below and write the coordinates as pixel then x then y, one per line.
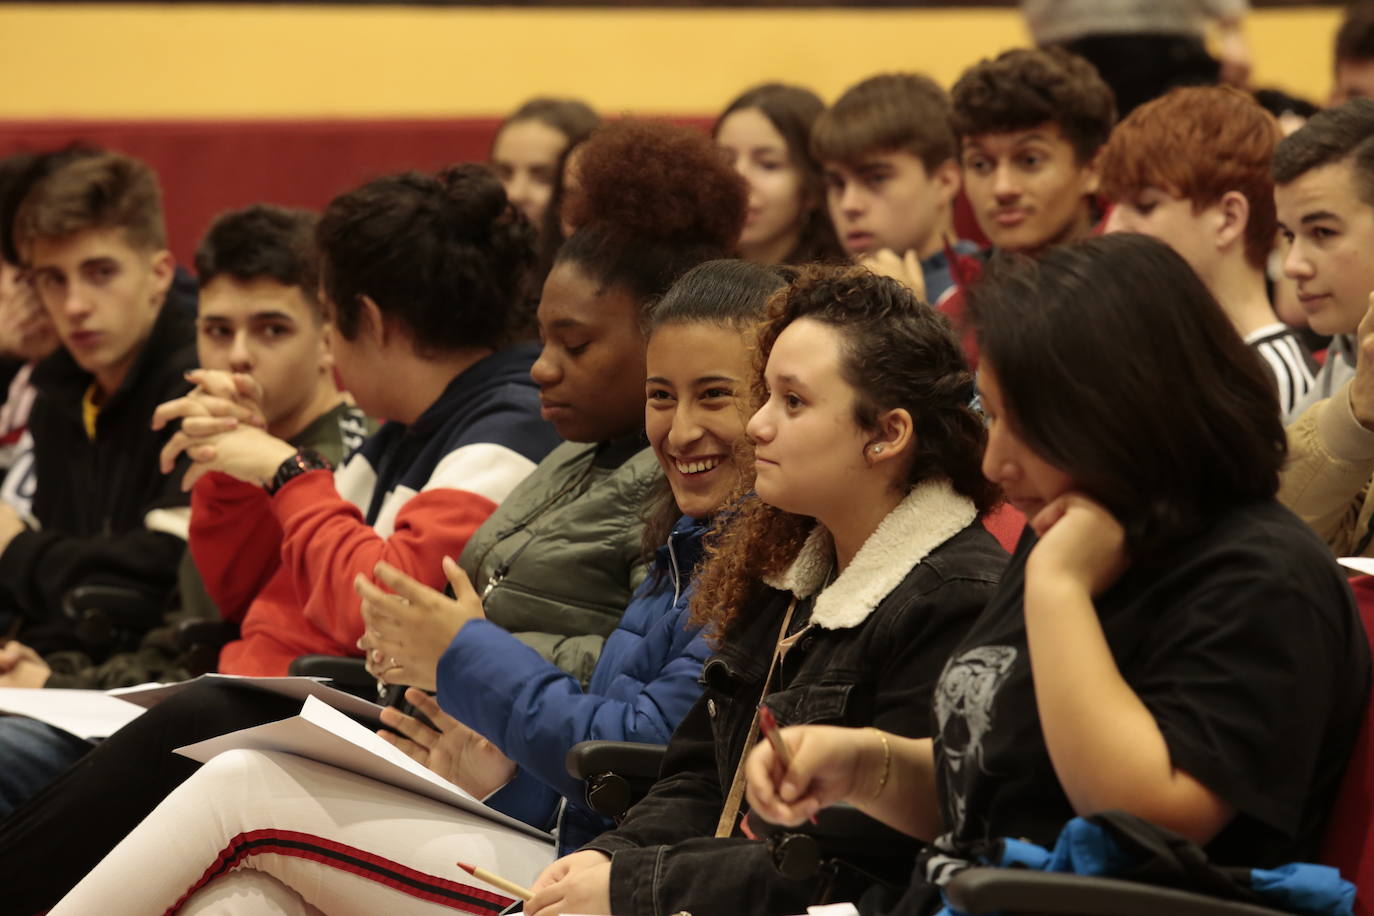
pixel 860 552
pixel 1050 326
pixel 1168 641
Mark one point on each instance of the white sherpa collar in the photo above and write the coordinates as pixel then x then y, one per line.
pixel 931 514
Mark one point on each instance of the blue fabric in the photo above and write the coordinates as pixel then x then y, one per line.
pixel 34 754
pixel 1087 848
pixel 1304 888
pixel 937 273
pixel 644 682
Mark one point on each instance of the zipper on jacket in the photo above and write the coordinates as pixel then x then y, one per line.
pixel 504 569
pixel 677 575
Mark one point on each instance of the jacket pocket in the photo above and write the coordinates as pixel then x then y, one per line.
pixel 812 704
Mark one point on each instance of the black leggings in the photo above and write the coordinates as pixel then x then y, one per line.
pixel 53 840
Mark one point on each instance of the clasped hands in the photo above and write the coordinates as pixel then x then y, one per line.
pixel 223 428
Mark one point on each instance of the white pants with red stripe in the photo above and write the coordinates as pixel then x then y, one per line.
pixel 261 832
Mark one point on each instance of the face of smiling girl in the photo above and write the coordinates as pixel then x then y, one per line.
pixel 693 413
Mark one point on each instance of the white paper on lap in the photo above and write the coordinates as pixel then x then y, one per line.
pixel 327 735
pixel 296 688
pixel 85 713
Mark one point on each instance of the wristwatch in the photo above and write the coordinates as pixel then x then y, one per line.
pixel 293 467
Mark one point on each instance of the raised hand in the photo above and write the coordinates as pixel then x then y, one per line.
pixel 409 627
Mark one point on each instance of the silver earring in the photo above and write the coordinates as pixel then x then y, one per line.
pixel 877 450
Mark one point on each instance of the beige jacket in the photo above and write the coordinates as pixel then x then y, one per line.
pixel 1327 481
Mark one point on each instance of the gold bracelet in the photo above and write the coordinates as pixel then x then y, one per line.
pixel 887 763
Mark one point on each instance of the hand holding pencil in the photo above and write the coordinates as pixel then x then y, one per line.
pixel 496 881
pixel 818 765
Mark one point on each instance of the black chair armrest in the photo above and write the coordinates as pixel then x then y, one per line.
pixel 195 634
pixel 200 642
pixel 616 773
pixel 347 673
pixel 122 605
pixel 631 759
pixel 111 618
pixel 1021 891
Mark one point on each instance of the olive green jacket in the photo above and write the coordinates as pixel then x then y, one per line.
pixel 557 561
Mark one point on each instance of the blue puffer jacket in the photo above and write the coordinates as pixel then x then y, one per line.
pixel 645 681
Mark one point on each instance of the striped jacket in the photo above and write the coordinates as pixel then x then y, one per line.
pixel 411 495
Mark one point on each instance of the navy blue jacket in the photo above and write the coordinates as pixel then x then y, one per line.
pixel 645 681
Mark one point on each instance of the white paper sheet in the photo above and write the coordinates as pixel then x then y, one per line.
pixel 85 713
pixel 327 735
pixel 297 688
pixel 1358 564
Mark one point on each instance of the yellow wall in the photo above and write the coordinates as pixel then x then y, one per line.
pixel 105 61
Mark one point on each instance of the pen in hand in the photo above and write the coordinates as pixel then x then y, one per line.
pixel 769 726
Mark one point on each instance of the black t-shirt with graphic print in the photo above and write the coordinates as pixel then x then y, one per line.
pixel 1245 645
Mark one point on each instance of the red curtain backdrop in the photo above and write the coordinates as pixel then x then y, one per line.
pixel 207 167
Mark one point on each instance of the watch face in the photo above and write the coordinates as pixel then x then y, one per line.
pixel 295 466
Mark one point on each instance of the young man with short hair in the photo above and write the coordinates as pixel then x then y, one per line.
pixel 1324 189
pixel 259 314
pixel 1030 123
pixel 92 240
pixel 1162 171
pixel 891 176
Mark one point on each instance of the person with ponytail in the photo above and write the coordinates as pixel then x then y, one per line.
pixel 421 275
pixel 559 560
pixel 833 593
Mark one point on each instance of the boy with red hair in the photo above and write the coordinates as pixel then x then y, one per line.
pixel 1193 169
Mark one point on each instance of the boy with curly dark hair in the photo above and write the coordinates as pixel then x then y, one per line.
pixel 1030 123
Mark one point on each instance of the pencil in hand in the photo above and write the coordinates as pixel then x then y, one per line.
pixel 510 887
pixel 769 726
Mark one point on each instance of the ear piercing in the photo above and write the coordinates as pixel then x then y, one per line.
pixel 876 449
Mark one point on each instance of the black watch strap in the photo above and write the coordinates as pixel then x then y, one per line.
pixel 300 463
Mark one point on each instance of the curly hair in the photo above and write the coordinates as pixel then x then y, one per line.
pixel 898 353
pixel 1198 143
pixel 1025 87
pixel 653 200
pixel 444 255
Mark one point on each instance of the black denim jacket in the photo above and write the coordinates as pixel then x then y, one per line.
pixel 875 643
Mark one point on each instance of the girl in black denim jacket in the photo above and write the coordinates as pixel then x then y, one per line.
pixel 1168 640
pixel 836 593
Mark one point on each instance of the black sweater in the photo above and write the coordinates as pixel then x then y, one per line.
pixel 93 496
